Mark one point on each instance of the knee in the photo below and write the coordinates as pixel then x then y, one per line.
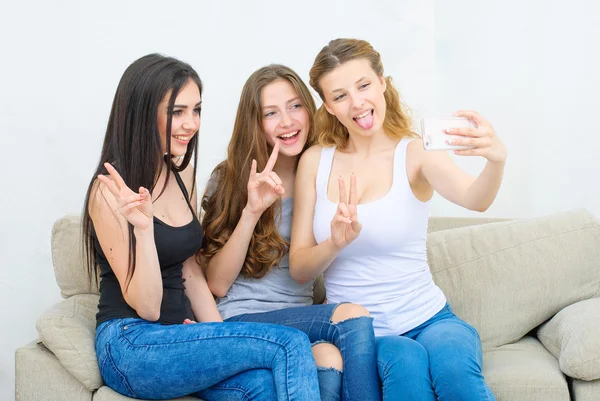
pixel 395 352
pixel 348 311
pixel 327 356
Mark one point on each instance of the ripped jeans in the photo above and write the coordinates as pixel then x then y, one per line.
pixel 354 338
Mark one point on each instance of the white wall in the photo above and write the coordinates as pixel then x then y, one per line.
pixel 529 67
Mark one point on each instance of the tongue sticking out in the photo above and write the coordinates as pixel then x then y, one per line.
pixel 366 122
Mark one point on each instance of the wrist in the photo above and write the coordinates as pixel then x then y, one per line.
pixel 141 233
pixel 249 214
pixel 332 246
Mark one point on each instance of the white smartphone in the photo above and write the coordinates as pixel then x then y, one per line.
pixel 433 132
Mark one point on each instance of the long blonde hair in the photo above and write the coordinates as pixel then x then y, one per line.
pixel 227 194
pixel 330 131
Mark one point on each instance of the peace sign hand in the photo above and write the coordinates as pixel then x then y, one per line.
pixel 264 188
pixel 345 227
pixel 135 207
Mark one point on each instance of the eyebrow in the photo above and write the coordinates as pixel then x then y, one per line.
pixel 288 102
pixel 337 90
pixel 183 106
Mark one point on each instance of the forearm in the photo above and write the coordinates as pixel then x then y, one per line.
pixel 308 263
pixel 196 289
pixel 482 192
pixel 225 266
pixel 145 290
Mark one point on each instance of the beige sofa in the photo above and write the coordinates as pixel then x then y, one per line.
pixel 531 288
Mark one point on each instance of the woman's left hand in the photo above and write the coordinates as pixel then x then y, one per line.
pixel 481 138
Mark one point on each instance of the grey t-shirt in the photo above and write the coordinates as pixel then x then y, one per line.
pixel 276 290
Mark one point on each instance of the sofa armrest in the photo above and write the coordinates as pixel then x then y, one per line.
pixel 39 376
pixel 573 337
pixel 68 330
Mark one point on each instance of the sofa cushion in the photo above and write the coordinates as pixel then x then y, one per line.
pixel 107 394
pixel 585 391
pixel 507 278
pixel 573 337
pixel 68 329
pixel 524 371
pixel 67 257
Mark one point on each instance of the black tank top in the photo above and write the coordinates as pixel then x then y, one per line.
pixel 174 245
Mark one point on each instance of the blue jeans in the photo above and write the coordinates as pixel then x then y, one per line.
pixel 214 361
pixel 439 360
pixel 354 338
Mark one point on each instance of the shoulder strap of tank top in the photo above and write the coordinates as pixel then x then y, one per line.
pixel 183 189
pixel 324 170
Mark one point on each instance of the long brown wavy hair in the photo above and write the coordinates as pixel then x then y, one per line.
pixel 330 131
pixel 227 192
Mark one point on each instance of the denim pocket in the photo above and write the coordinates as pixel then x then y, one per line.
pixel 113 377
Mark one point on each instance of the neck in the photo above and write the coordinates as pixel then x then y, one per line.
pixel 372 144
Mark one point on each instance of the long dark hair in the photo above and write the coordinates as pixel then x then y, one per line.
pixel 132 140
pixel 223 205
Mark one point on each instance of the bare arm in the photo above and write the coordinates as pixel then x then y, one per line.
pixel 307 258
pixel 263 189
pixel 440 171
pixel 111 206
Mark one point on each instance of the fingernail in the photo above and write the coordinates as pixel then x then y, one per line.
pixel 449 130
pixel 450 142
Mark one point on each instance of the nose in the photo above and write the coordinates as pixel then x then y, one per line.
pixel 357 101
pixel 285 120
pixel 191 123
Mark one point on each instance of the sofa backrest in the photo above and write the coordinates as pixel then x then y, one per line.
pixel 507 278
pixel 72 276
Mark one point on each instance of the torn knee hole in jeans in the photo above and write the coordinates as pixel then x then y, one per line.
pixel 351 319
pixel 329 369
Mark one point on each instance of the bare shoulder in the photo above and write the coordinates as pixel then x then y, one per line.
pixel 309 161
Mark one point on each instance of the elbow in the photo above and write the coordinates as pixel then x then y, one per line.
pixel 296 274
pixel 151 314
pixel 217 289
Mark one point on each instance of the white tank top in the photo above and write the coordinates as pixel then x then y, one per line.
pixel 385 269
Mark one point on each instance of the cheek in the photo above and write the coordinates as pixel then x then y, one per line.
pixel 269 130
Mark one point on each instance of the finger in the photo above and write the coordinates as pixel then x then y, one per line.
pixel 115 175
pixel 276 178
pixel 471 152
pixel 144 193
pixel 353 193
pixel 133 198
pixel 188 321
pixel 127 208
pixel 342 190
pixel 253 170
pixel 473 116
pixel 343 211
pixel 265 179
pixel 110 184
pixel 272 158
pixel 341 220
pixel 356 227
pixel 464 131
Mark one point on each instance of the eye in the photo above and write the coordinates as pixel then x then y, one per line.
pixel 269 114
pixel 338 97
pixel 177 112
pixel 197 110
pixel 363 86
pixel 296 105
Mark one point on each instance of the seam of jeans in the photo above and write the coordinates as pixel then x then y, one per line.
pixel 121 376
pixel 245 395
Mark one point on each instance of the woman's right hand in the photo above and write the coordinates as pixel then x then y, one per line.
pixel 135 207
pixel 345 227
pixel 264 188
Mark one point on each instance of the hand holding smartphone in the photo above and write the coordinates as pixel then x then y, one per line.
pixel 433 131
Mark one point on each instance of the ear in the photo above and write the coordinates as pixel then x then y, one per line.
pixel 383 82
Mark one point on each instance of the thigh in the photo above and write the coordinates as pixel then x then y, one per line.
pixel 451 339
pixel 154 360
pixel 251 385
pixel 314 320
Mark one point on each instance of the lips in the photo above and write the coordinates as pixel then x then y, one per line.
pixel 365 119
